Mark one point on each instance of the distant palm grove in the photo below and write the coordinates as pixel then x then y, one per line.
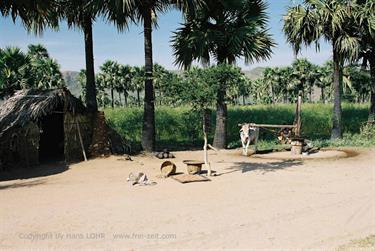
pixel 214 33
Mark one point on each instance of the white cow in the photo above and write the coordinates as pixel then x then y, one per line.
pixel 248 134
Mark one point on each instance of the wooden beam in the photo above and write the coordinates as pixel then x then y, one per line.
pixel 272 126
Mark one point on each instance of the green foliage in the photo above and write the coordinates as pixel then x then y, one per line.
pixel 45 71
pixel 14 71
pixel 32 70
pixel 199 88
pixel 224 31
pixel 182 127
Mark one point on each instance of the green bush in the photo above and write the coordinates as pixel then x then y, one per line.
pixel 180 127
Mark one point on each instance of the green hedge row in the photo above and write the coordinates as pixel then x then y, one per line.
pixel 181 127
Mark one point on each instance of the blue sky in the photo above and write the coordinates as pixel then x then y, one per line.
pixel 127 47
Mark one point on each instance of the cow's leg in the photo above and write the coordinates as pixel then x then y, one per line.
pixel 247 146
pixel 243 147
pixel 256 140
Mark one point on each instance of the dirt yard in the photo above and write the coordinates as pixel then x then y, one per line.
pixel 252 203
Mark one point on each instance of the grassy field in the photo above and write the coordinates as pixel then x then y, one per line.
pixel 180 127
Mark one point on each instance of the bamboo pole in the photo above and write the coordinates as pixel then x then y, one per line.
pixel 80 140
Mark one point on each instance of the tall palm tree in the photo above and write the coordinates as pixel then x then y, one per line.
pixel 365 16
pixel 82 14
pixel 223 31
pixel 146 12
pixel 332 20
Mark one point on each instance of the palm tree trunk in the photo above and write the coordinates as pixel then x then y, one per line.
pixel 148 131
pixel 138 97
pixel 272 95
pixel 336 132
pixel 371 116
pixel 91 102
pixel 126 98
pixel 322 95
pixel 112 99
pixel 221 121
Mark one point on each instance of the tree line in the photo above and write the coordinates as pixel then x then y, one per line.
pixel 217 32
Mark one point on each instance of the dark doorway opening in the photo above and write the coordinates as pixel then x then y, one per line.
pixel 51 144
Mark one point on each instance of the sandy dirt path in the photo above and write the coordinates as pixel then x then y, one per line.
pixel 251 204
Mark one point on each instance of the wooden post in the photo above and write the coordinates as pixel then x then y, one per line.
pixel 297 142
pixel 298 121
pixel 206 122
pixel 80 140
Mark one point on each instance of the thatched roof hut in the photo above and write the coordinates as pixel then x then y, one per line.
pixel 30 105
pixel 39 124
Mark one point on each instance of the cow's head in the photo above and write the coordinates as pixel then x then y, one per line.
pixel 246 130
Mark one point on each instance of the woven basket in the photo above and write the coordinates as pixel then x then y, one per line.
pixel 193 166
pixel 167 168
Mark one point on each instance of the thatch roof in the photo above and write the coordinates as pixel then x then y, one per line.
pixel 29 105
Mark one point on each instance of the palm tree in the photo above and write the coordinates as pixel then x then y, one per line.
pixel 138 82
pixel 331 20
pixel 244 88
pixel 146 12
pixel 303 72
pixel 14 71
pixel 46 73
pixel 125 84
pixel 286 84
pixel 269 80
pixel 323 79
pixel 81 14
pixel 224 31
pixel 110 76
pixel 365 16
pixel 37 51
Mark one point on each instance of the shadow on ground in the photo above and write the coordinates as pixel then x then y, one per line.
pixel 39 171
pixel 23 184
pixel 245 167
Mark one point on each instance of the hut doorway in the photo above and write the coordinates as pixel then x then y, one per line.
pixel 51 144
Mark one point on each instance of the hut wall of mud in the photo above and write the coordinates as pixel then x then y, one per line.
pixel 20 146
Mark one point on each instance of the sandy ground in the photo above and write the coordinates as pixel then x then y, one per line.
pixel 250 204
